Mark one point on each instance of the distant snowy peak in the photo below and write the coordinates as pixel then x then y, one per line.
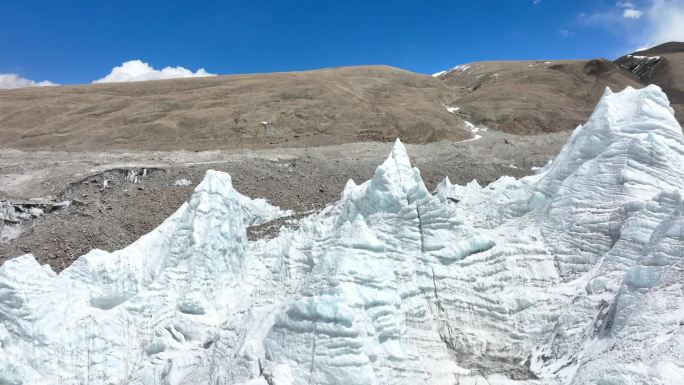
pixel 458 68
pixel 569 276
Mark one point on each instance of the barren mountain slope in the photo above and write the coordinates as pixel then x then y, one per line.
pixel 116 197
pixel 303 108
pixel 526 97
pixel 662 65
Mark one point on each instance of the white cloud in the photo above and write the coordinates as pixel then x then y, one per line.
pixel 630 13
pixel 10 81
pixel 565 32
pixel 136 70
pixel 639 23
pixel 665 22
pixel 535 2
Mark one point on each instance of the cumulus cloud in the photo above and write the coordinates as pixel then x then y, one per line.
pixel 630 13
pixel 137 70
pixel 10 81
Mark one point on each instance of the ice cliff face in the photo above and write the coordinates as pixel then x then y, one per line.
pixel 570 276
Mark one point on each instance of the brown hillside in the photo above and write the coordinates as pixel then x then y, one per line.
pixel 527 97
pixel 285 109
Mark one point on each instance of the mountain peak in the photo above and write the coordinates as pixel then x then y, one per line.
pixel 664 48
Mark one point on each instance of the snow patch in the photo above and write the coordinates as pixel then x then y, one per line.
pixel 645 57
pixel 182 182
pixel 473 130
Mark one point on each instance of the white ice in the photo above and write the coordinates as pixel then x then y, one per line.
pixel 570 276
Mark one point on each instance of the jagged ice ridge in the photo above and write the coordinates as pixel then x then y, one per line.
pixel 570 276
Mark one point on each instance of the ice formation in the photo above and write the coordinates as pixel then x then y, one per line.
pixel 570 276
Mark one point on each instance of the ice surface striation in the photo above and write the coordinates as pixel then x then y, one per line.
pixel 574 275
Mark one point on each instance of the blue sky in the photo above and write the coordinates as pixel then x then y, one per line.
pixel 81 41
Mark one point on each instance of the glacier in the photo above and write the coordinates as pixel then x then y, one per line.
pixel 573 275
